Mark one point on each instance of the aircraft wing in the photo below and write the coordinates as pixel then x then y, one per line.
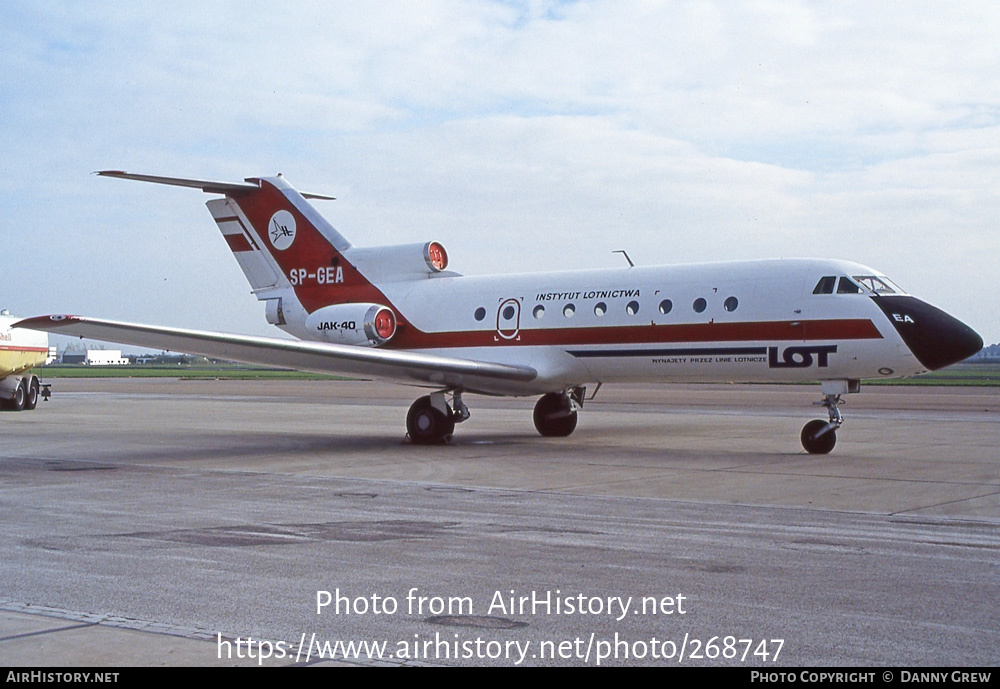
pixel 402 366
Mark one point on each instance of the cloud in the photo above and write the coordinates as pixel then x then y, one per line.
pixel 547 131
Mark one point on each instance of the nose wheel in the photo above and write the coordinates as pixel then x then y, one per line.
pixel 819 437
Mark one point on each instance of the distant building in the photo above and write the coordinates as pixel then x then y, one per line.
pixel 105 357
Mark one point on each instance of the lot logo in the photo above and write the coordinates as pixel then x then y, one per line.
pixel 281 230
pixel 800 357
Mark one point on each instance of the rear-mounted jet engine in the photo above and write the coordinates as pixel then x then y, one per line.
pixel 367 325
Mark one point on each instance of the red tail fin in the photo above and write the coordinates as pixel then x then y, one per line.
pixel 280 240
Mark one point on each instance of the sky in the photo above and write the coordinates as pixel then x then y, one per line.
pixel 524 136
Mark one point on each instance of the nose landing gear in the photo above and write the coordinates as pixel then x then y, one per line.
pixel 819 437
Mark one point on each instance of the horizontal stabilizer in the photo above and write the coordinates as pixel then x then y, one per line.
pixel 227 188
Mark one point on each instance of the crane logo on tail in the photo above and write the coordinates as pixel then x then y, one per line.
pixel 281 230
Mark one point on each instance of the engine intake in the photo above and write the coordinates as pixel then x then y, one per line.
pixel 400 262
pixel 366 325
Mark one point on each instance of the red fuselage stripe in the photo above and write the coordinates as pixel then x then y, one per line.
pixel 767 331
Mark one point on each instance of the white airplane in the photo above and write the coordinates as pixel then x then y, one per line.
pixel 397 313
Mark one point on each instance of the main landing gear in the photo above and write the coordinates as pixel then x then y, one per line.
pixel 555 412
pixel 818 436
pixel 431 419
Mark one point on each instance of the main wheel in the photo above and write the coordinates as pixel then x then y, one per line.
pixel 426 425
pixel 818 445
pixel 553 416
pixel 31 400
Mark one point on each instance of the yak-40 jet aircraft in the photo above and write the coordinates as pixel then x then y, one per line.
pixel 397 313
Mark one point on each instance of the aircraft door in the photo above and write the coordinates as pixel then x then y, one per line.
pixel 509 319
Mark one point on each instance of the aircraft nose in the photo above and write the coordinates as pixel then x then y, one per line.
pixel 936 338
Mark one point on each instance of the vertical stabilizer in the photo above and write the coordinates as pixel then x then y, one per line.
pixel 305 251
pixel 281 242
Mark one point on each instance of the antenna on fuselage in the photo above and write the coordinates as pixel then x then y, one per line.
pixel 625 254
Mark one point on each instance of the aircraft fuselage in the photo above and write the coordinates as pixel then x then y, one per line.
pixel 746 321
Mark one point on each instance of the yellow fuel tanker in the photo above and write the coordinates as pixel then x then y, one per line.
pixel 20 351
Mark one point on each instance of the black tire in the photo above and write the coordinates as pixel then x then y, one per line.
pixel 31 400
pixel 17 403
pixel 426 425
pixel 552 417
pixel 821 445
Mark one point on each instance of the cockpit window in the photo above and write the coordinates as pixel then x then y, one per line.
pixel 858 284
pixel 847 286
pixel 825 285
pixel 878 285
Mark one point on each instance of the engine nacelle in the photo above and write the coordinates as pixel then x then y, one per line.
pixel 367 325
pixel 400 262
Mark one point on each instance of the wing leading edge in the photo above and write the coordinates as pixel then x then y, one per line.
pixel 405 367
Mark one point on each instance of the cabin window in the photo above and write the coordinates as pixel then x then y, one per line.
pixel 825 285
pixel 538 311
pixel 632 308
pixel 699 305
pixel 569 310
pixel 508 313
pixel 665 306
pixel 480 313
pixel 731 304
pixel 600 308
pixel 847 286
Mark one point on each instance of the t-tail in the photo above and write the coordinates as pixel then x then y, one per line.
pixel 313 282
